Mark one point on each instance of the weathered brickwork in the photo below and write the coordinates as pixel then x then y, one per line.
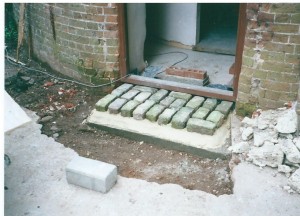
pixel 79 40
pixel 271 57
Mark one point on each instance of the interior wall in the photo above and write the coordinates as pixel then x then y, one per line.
pixel 173 22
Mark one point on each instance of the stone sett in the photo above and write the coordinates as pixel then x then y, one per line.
pixel 177 104
pixel 104 102
pixel 115 106
pixel 145 89
pixel 201 113
pixel 154 112
pixel 141 97
pixel 216 117
pixel 201 126
pixel 224 107
pixel 121 89
pixel 167 101
pixel 180 119
pixel 180 95
pixel 195 102
pixel 130 94
pixel 166 116
pixel 210 103
pixel 140 112
pixel 127 109
pixel 159 95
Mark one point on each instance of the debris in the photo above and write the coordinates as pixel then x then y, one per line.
pixel 261 136
pixel 290 150
pixel 256 113
pixel 248 122
pixel 241 147
pixel 285 169
pixel 47 84
pixel 46 119
pixel 247 134
pixel 287 123
pixel 294 181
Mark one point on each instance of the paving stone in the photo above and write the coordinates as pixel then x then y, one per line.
pixel 216 117
pixel 166 116
pixel 167 101
pixel 181 95
pixel 154 112
pixel 159 95
pixel 127 109
pixel 130 94
pixel 115 106
pixel 180 119
pixel 141 97
pixel 201 113
pixel 145 89
pixel 201 126
pixel 104 102
pixel 140 112
pixel 177 104
pixel 224 107
pixel 210 103
pixel 195 102
pixel 91 174
pixel 121 89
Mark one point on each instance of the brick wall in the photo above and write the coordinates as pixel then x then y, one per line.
pixel 78 40
pixel 271 57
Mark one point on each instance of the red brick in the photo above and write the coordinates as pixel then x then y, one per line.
pixel 111 27
pixel 265 17
pixel 253 6
pixel 285 28
pixel 110 11
pixel 282 38
pixel 111 19
pixel 184 72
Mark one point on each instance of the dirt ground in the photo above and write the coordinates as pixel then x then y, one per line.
pixel 63 106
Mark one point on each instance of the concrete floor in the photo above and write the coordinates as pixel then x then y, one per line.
pixel 37 185
pixel 216 65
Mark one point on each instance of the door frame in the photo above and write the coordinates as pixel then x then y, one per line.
pixel 173 86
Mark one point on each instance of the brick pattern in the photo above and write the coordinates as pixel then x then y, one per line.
pixel 271 58
pixel 79 40
pixel 178 114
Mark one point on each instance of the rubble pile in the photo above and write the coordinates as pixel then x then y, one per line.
pixel 270 139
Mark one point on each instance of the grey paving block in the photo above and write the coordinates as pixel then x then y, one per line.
pixel 181 95
pixel 201 126
pixel 145 89
pixel 180 119
pixel 142 96
pixel 166 116
pixel 167 101
pixel 159 95
pixel 216 117
pixel 195 102
pixel 177 104
pixel 201 113
pixel 210 103
pixel 130 94
pixel 122 89
pixel 115 106
pixel 224 107
pixel 154 112
pixel 91 174
pixel 104 102
pixel 127 109
pixel 140 112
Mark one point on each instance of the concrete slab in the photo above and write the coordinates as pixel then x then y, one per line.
pixel 144 130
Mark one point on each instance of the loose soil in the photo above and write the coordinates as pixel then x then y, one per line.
pixel 69 104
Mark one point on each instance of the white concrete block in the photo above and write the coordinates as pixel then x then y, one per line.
pixel 91 174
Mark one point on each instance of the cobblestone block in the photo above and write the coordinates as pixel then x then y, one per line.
pixel 140 112
pixel 166 116
pixel 167 101
pixel 121 89
pixel 216 117
pixel 130 94
pixel 145 89
pixel 195 102
pixel 154 112
pixel 141 97
pixel 224 107
pixel 201 126
pixel 104 102
pixel 201 113
pixel 127 109
pixel 159 95
pixel 210 103
pixel 180 119
pixel 115 106
pixel 177 104
pixel 181 95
